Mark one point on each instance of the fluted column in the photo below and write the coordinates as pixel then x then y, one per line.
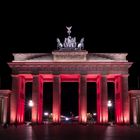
pixel 138 120
pixel 98 92
pixel 137 110
pixel 102 99
pixel 40 100
pixel 14 99
pixel 5 109
pixel 17 99
pixel 118 99
pixel 37 97
pixel 56 99
pixel 83 99
pixel 0 110
pixel 134 113
pixel 125 99
pixel 21 99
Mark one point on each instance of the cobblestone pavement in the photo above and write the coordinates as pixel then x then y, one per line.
pixel 70 132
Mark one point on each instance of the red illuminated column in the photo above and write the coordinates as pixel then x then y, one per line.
pixel 17 99
pixel 56 99
pixel 83 99
pixel 99 115
pixel 21 99
pixel 40 100
pixel 14 98
pixel 125 99
pixel 102 100
pixel 37 97
pixel 118 99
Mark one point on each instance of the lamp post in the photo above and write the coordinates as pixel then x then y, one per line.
pixel 30 104
pixel 109 104
pixel 46 113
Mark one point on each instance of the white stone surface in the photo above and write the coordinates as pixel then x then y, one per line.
pixel 70 57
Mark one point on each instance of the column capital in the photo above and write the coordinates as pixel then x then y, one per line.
pixel 15 75
pixel 125 75
pixel 56 75
pixel 83 75
pixel 103 75
pixel 35 75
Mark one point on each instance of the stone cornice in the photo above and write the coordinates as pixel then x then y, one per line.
pixel 75 67
pixel 65 56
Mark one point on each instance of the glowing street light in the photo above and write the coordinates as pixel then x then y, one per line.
pixel 30 103
pixel 109 103
pixel 66 118
pixel 46 113
pixel 94 114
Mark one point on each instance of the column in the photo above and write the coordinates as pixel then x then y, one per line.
pixel 102 100
pixel 98 83
pixel 21 99
pixel 1 110
pixel 138 120
pixel 137 110
pixel 134 114
pixel 118 99
pixel 37 97
pixel 56 99
pixel 5 109
pixel 14 99
pixel 40 101
pixel 131 108
pixel 125 99
pixel 17 99
pixel 83 99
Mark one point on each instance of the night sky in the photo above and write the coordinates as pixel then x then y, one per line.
pixel 106 27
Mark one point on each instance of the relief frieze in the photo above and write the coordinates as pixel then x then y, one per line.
pixel 70 68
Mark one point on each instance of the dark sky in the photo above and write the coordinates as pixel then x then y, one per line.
pixel 107 27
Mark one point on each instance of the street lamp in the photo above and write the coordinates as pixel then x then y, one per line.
pixel 66 118
pixel 46 113
pixel 109 104
pixel 30 103
pixel 94 114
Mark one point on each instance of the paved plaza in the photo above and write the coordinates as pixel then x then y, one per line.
pixel 70 132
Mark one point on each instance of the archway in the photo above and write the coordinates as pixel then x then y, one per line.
pixel 91 102
pixel 69 101
pixel 28 99
pixel 47 102
pixel 111 102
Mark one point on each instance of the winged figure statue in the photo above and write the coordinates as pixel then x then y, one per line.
pixel 81 44
pixel 69 29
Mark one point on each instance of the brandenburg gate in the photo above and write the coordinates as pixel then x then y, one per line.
pixel 70 63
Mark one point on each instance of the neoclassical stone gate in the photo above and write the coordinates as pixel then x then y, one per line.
pixel 70 63
pixel 73 66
